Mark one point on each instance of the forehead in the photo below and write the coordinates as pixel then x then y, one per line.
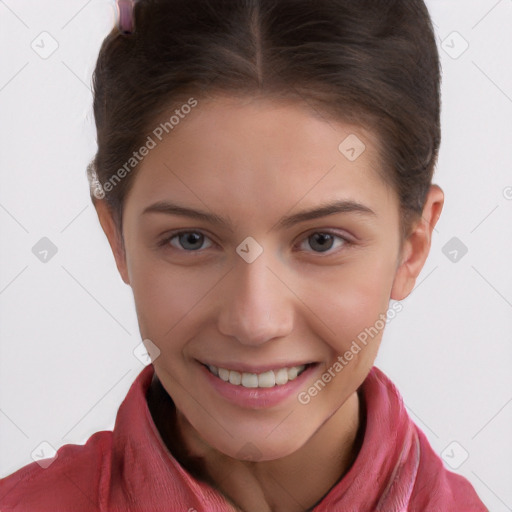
pixel 256 152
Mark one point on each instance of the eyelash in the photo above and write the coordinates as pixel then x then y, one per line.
pixel 346 242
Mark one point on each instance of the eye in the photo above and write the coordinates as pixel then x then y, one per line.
pixel 323 241
pixel 186 241
pixel 192 241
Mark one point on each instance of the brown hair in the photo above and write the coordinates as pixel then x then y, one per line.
pixel 373 63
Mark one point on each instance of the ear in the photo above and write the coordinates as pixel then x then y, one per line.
pixel 417 245
pixel 114 237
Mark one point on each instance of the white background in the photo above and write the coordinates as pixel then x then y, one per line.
pixel 68 326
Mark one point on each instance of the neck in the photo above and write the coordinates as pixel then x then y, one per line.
pixel 295 483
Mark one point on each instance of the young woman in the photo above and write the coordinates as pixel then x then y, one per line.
pixel 264 178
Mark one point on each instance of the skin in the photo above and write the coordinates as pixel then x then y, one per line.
pixel 253 161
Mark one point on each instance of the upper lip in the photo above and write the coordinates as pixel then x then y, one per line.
pixel 260 368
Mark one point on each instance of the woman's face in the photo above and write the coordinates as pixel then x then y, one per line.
pixel 255 284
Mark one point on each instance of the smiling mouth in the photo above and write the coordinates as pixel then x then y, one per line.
pixel 268 379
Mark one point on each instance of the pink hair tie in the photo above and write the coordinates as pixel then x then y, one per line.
pixel 125 16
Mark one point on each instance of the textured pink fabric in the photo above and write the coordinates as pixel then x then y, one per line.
pixel 130 469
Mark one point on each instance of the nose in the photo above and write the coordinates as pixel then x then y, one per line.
pixel 256 305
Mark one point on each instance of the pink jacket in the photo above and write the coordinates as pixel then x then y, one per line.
pixel 131 469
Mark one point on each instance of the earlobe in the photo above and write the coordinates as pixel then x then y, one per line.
pixel 416 248
pixel 113 236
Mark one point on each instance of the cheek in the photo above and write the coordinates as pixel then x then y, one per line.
pixel 165 296
pixel 352 300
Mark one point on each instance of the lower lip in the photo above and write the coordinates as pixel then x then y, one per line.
pixel 257 398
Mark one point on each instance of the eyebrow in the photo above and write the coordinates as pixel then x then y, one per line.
pixel 341 206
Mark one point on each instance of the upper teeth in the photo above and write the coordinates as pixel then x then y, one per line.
pixel 258 380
